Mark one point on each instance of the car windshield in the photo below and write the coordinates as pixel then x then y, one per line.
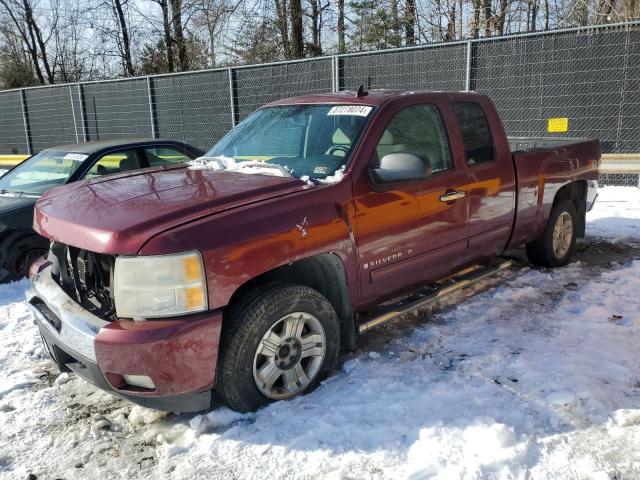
pixel 41 172
pixel 313 141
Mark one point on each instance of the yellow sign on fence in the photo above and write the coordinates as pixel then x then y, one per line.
pixel 558 125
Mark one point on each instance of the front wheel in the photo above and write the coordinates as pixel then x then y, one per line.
pixel 555 247
pixel 18 252
pixel 278 342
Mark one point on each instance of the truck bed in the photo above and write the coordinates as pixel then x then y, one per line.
pixel 520 144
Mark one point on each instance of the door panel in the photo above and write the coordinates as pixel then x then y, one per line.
pixel 491 181
pixel 406 234
pixel 398 228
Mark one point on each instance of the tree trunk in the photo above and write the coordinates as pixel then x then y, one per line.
pixel 297 36
pixel 451 24
pixel 546 14
pixel 486 17
pixel 410 22
pixel 534 15
pixel 316 48
pixel 28 11
pixel 176 10
pixel 283 26
pixel 395 24
pixel 475 19
pixel 126 45
pixel 168 42
pixel 502 13
pixel 342 46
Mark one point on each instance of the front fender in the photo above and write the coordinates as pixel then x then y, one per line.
pixel 242 243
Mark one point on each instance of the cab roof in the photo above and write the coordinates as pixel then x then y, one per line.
pixel 375 97
pixel 89 148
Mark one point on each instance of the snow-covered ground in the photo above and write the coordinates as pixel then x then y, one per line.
pixel 537 376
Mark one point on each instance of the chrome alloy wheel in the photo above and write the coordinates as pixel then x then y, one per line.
pixel 289 356
pixel 562 235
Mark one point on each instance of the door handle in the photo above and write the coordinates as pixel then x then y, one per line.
pixel 452 196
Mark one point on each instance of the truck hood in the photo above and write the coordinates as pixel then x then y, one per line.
pixel 119 214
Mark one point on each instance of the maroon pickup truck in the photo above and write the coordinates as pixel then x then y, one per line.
pixel 246 272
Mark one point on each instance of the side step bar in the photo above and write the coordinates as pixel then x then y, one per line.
pixel 445 287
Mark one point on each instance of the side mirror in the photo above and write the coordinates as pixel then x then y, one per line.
pixel 398 167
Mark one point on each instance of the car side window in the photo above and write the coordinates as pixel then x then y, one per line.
pixel 158 156
pixel 115 162
pixel 419 130
pixel 476 133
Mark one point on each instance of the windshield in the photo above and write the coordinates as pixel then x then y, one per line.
pixel 311 141
pixel 41 172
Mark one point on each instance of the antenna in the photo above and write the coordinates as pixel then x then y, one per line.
pixel 362 92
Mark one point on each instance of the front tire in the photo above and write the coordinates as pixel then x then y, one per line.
pixel 278 342
pixel 556 246
pixel 17 252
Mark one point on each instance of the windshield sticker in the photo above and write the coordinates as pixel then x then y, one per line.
pixel 75 156
pixel 357 110
pixel 320 170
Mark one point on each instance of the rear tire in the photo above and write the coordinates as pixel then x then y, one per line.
pixel 279 341
pixel 556 246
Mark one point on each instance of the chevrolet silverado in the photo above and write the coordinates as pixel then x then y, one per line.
pixel 246 272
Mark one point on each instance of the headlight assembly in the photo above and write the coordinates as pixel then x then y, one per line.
pixel 155 286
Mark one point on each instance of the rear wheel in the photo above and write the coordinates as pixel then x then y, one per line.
pixel 278 342
pixel 556 245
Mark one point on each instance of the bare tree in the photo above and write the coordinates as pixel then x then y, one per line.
pixel 166 31
pixel 410 22
pixel 124 32
pixel 213 15
pixel 297 33
pixel 178 34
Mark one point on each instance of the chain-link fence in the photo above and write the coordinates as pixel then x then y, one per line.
pixel 589 75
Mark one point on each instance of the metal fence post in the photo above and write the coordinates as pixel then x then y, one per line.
pixel 83 123
pixel 25 121
pixel 73 114
pixel 467 80
pixel 335 72
pixel 152 118
pixel 232 97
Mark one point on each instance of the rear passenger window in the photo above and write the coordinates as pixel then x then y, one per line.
pixel 476 134
pixel 418 130
pixel 158 156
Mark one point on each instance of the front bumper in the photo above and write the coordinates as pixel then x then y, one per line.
pixel 179 354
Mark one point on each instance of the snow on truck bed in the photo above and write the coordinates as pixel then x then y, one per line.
pixel 536 376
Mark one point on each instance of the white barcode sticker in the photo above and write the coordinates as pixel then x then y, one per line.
pixel 357 110
pixel 75 156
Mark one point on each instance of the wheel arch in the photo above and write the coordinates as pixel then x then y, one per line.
pixel 576 192
pixel 325 273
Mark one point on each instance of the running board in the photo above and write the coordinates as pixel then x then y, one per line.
pixel 445 287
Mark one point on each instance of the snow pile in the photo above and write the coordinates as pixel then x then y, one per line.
pixel 253 167
pixel 230 165
pixel 335 178
pixel 616 214
pixel 536 377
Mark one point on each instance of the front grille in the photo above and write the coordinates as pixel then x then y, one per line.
pixel 85 276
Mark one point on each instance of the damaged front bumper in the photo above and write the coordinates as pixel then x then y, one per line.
pixel 179 355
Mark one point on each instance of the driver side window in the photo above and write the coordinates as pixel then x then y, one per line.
pixel 418 130
pixel 115 162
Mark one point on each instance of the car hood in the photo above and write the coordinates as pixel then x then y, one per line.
pixel 119 214
pixel 10 202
